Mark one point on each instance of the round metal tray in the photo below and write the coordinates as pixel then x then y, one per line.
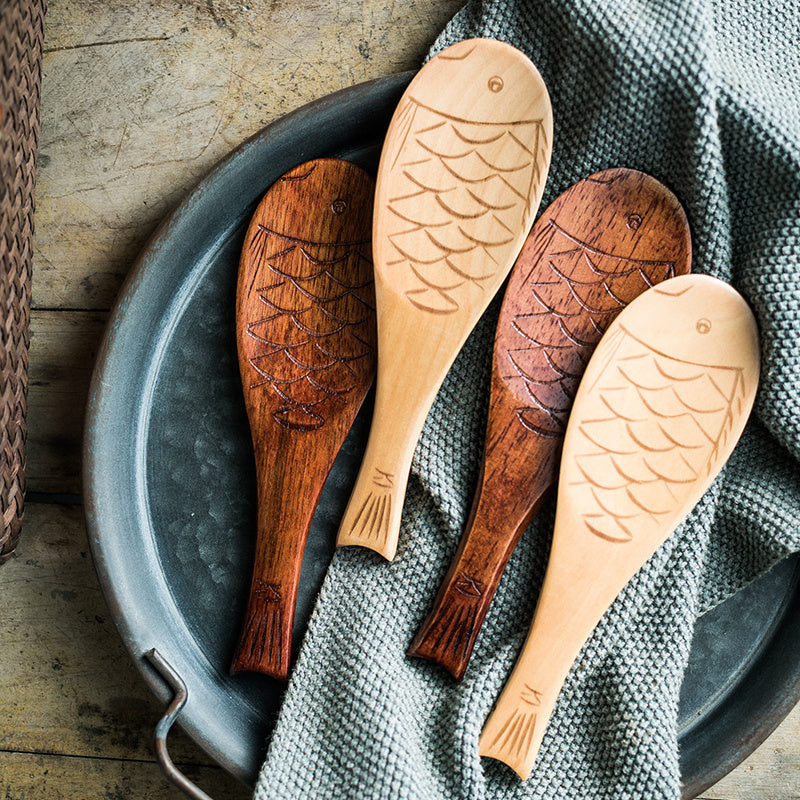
pixel 169 489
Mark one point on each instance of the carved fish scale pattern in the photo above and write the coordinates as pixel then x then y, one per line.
pixel 575 292
pixel 627 456
pixel 315 335
pixel 448 229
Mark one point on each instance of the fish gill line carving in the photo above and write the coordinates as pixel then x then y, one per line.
pixel 604 181
pixel 449 55
pixel 295 178
pixel 585 247
pixel 673 292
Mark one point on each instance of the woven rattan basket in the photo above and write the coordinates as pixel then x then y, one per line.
pixel 21 31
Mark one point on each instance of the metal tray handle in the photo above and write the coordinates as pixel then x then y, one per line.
pixel 175 682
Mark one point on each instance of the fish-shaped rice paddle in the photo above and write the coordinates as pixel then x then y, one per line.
pixel 659 410
pixel 305 330
pixel 599 245
pixel 460 179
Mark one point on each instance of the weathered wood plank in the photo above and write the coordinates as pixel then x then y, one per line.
pixel 26 776
pixel 62 353
pixel 137 106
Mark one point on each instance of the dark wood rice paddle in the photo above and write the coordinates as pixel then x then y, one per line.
pixel 662 404
pixel 305 329
pixel 599 245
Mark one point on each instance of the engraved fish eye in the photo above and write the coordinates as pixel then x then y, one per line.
pixel 633 222
pixel 495 84
pixel 703 325
pixel 339 206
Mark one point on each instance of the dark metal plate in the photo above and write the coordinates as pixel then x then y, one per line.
pixel 169 491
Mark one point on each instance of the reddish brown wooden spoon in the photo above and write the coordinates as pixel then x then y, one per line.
pixel 305 330
pixel 599 245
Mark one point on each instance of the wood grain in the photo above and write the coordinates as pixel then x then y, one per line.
pixel 67 685
pixel 772 772
pixel 140 101
pixel 45 776
pixel 660 408
pixel 599 245
pixel 305 332
pixel 461 175
pixel 62 352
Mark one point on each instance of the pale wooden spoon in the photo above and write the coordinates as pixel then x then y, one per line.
pixel 305 331
pixel 599 245
pixel 460 179
pixel 659 410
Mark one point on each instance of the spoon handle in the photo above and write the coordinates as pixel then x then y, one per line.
pixel 284 517
pixel 404 394
pixel 305 331
pixel 449 633
pixel 515 729
pixel 461 176
pixel 659 410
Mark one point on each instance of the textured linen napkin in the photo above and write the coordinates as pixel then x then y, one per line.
pixel 702 94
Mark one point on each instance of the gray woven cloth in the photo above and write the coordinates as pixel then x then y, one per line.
pixel 703 94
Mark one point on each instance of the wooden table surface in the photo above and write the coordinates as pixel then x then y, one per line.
pixel 139 100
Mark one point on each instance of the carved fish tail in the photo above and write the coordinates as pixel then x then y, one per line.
pixel 448 635
pixel 266 640
pixel 513 741
pixel 371 522
pixel 368 522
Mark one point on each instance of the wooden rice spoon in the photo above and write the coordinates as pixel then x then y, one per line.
pixel 659 410
pixel 305 330
pixel 599 245
pixel 461 175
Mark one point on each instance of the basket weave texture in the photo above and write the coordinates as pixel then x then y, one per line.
pixel 21 33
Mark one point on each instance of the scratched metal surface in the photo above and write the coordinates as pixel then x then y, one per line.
pixel 170 494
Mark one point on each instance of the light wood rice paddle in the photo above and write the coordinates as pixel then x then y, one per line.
pixel 599 245
pixel 305 329
pixel 659 410
pixel 460 179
